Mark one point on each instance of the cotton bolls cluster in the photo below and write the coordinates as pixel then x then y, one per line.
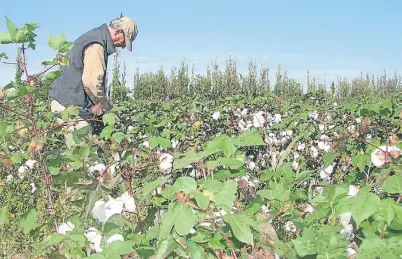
pixel 165 163
pixel 383 154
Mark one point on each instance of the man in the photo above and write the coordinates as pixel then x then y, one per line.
pixel 82 82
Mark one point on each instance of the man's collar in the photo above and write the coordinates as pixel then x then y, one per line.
pixel 110 48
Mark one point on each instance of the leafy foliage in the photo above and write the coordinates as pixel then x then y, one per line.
pixel 235 177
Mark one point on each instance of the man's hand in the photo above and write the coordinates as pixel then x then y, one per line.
pixel 97 109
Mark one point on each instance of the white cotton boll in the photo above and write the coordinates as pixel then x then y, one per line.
pixel 97 168
pixel 289 133
pixel 65 227
pixel 296 155
pixel 284 140
pixel 351 252
pixel 30 163
pixel 251 165
pixel 174 143
pixel 94 239
pixel 295 165
pixel 165 162
pixel 352 129
pixel 22 171
pixel 301 146
pixel 335 104
pixel 216 115
pixel 290 227
pixel 258 119
pixel 9 178
pixel 113 207
pixel 323 175
pixel 128 202
pixel 331 127
pixel 345 218
pixel 358 120
pixel 264 209
pixel 33 187
pixel 242 125
pixel 353 190
pixel 244 113
pixel 321 128
pixel 308 208
pixel 130 128
pixel 146 144
pixel 115 237
pixel 205 224
pixel 314 151
pixel 313 115
pixel 329 169
pixel 347 231
pixel 379 157
pixel 99 211
pixel 277 118
pixel 324 137
pixel 192 231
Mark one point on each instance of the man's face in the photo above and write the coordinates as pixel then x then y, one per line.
pixel 119 39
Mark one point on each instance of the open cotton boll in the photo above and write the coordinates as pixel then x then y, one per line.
pixel 174 143
pixel 314 151
pixel 290 227
pixel 99 211
pixel 380 156
pixel 9 178
pixel 146 143
pixel 114 237
pixel 33 187
pixel 353 190
pixel 165 162
pixel 22 171
pixel 97 168
pixel 128 202
pixel 94 239
pixel 216 115
pixel 277 118
pixel 65 227
pixel 30 163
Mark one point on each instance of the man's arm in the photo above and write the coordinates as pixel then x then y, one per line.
pixel 92 76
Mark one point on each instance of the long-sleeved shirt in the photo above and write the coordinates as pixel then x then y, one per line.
pixel 93 74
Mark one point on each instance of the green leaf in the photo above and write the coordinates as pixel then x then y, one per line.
pixel 393 184
pixel 239 228
pixel 53 75
pixel 362 206
pixel 29 221
pixel 185 184
pixel 375 247
pixel 185 219
pixel 249 138
pixel 4 214
pixel 56 42
pixel 109 119
pixel 5 38
pixel 12 29
pixel 275 191
pixel 118 137
pixel 202 200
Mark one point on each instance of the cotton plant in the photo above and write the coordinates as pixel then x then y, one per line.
pixel 383 154
pixel 103 210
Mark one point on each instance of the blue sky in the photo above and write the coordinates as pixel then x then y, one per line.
pixel 331 38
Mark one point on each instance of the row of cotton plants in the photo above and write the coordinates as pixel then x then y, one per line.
pixel 324 143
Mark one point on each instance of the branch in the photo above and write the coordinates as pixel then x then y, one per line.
pixel 11 110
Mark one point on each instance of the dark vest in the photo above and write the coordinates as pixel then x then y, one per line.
pixel 68 89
